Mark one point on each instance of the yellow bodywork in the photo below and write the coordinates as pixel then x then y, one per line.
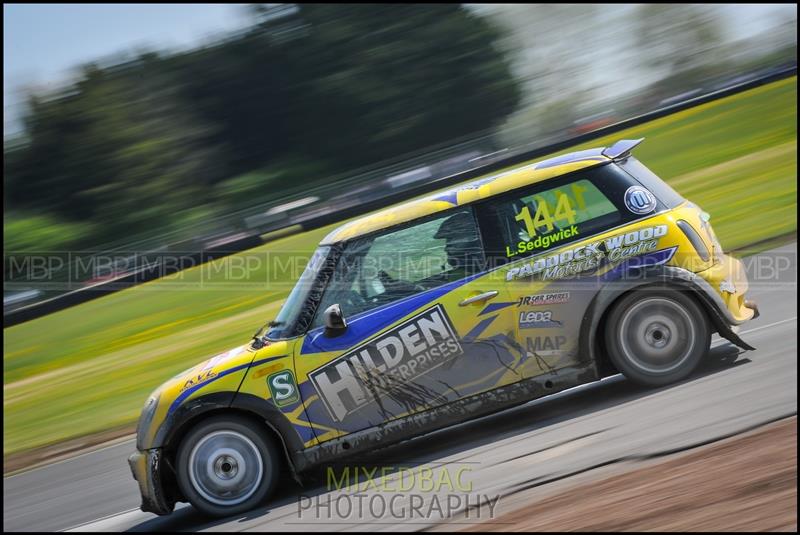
pixel 475 191
pixel 290 364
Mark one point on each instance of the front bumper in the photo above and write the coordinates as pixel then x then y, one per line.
pixel 752 305
pixel 147 467
pixel 728 279
pixel 726 284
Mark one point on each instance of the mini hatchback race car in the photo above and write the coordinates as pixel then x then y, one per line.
pixel 512 287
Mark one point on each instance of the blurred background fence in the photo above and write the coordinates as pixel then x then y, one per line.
pixel 79 276
pixel 144 166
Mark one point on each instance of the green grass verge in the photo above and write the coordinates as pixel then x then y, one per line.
pixel 90 367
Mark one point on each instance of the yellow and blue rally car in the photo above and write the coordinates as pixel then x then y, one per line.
pixel 512 287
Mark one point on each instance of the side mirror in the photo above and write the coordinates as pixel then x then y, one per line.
pixel 335 324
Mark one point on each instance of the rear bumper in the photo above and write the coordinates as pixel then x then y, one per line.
pixel 146 467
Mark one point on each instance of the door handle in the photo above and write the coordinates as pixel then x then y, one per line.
pixel 485 296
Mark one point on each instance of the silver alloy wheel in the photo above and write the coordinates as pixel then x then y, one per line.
pixel 656 335
pixel 225 467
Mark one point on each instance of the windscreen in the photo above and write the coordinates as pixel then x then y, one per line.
pixel 298 310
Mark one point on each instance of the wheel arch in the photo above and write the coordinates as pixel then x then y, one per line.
pixel 591 341
pixel 259 411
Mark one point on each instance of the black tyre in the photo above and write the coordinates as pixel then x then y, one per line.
pixel 656 336
pixel 225 466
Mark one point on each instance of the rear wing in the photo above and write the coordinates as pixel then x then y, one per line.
pixel 621 149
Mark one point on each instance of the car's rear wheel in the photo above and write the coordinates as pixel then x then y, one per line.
pixel 656 336
pixel 226 467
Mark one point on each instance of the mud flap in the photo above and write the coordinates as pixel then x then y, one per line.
pixel 727 333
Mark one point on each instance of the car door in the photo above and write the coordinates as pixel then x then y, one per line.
pixel 426 325
pixel 535 230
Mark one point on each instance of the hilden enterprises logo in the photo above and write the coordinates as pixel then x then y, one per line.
pixel 395 357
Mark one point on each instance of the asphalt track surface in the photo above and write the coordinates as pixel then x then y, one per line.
pixel 502 455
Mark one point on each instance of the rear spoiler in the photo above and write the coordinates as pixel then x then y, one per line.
pixel 621 149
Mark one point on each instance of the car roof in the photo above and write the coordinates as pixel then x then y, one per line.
pixel 481 188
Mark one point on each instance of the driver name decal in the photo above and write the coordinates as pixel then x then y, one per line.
pixel 395 357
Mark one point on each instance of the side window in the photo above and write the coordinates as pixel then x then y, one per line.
pixel 382 268
pixel 533 221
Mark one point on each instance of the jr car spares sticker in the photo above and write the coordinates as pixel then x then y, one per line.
pixel 639 201
pixel 576 260
pixel 537 319
pixel 393 358
pixel 543 299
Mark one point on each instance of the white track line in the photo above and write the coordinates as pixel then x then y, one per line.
pixel 117 442
pixel 112 515
pixel 748 331
pixel 793 318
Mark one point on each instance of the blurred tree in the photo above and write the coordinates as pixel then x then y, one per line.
pixel 290 176
pixel 131 146
pixel 554 66
pixel 243 87
pixel 117 148
pixel 675 37
pixel 551 65
pixel 24 233
pixel 377 81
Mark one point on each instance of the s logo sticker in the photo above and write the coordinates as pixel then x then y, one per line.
pixel 639 201
pixel 283 388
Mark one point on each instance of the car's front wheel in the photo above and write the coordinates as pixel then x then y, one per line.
pixel 226 467
pixel 656 336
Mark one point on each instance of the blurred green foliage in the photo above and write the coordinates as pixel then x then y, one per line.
pixel 292 100
pixel 287 176
pixel 30 232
